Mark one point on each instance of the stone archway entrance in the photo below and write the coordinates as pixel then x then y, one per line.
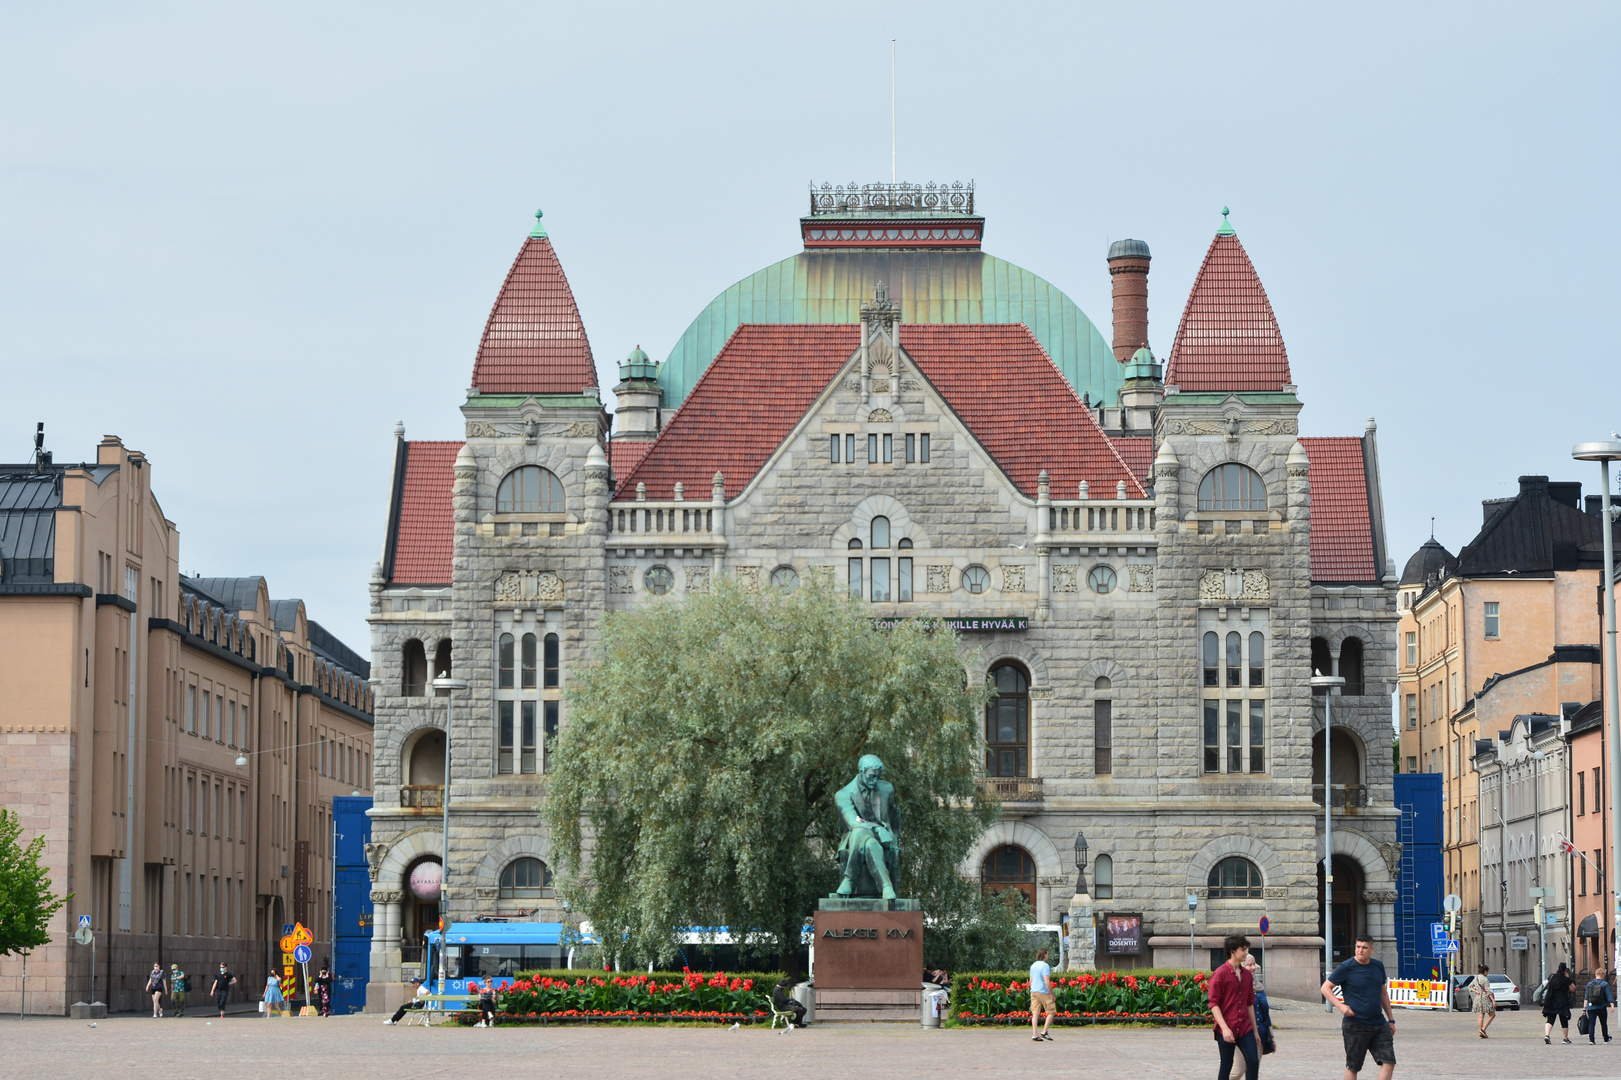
pixel 1350 914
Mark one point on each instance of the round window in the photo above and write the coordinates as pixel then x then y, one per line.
pixel 976 579
pixel 659 579
pixel 785 578
pixel 1101 579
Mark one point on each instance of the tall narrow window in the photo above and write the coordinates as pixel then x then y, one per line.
pixel 504 667
pixel 923 447
pixel 1103 736
pixel 1103 878
pixel 1235 669
pixel 903 577
pixel 1412 710
pixel 528 678
pixel 889 449
pixel 1322 662
pixel 1257 659
pixel 855 578
pixel 1007 723
pixel 1212 734
pixel 1412 648
pixel 552 665
pixel 191 710
pixel 503 762
pixel 1351 667
pixel 833 449
pixel 872 449
pixel 526 761
pixel 850 448
pixel 911 448
pixel 1212 674
pixel 1494 622
pixel 880 580
pixel 551 719
pixel 880 532
pixel 1257 736
pixel 1235 736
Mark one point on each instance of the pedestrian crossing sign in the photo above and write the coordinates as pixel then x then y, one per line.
pixel 84 921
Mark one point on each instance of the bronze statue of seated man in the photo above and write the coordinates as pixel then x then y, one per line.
pixel 869 852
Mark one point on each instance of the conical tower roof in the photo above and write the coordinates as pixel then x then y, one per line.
pixel 534 341
pixel 1229 337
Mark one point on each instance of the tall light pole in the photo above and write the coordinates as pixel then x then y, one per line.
pixel 447 684
pixel 1536 867
pixel 1604 453
pixel 1328 683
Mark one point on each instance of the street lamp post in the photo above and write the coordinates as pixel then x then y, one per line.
pixel 1328 683
pixel 1193 921
pixel 1536 867
pixel 447 684
pixel 1604 453
pixel 1080 862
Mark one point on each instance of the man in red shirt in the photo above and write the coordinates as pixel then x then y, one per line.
pixel 1232 1006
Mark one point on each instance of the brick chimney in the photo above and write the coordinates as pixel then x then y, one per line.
pixel 1128 267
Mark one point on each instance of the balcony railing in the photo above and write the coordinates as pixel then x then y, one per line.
pixel 1348 796
pixel 422 796
pixel 1012 789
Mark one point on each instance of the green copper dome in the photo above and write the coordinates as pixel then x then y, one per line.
pixel 952 286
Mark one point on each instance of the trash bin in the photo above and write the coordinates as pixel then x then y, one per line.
pixel 805 994
pixel 934 1007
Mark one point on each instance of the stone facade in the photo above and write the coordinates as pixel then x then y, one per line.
pixel 1161 804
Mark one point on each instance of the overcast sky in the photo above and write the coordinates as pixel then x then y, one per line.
pixel 250 241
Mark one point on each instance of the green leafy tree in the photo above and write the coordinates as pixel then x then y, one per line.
pixel 971 931
pixel 26 900
pixel 695 779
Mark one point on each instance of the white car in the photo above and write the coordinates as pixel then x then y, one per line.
pixel 1504 992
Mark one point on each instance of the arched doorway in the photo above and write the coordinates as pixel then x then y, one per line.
pixel 1010 867
pixel 419 907
pixel 1349 917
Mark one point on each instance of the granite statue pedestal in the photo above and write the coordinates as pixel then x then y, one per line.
pixel 869 960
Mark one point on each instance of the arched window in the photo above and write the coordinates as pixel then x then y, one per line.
pixel 854 544
pixel 785 578
pixel 1232 487
pixel 1103 878
pixel 1235 879
pixel 880 532
pixel 505 662
pixel 526 879
pixel 528 672
pixel 1322 662
pixel 441 664
pixel 413 669
pixel 1235 666
pixel 529 489
pixel 976 579
pixel 1007 723
pixel 1257 659
pixel 550 675
pixel 1351 666
pixel 1346 762
pixel 1010 867
pixel 1212 658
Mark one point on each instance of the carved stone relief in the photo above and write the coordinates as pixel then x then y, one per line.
pixel 880 416
pixel 939 578
pixel 697 579
pixel 1221 427
pixel 621 579
pixel 583 429
pixel 748 579
pixel 516 429
pixel 537 585
pixel 1013 579
pixel 1066 577
pixel 386 896
pixel 375 854
pixel 1142 577
pixel 1256 586
pixel 1392 857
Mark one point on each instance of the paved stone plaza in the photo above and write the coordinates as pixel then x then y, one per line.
pixel 1429 1045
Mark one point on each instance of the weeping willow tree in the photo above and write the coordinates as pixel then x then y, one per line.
pixel 694 781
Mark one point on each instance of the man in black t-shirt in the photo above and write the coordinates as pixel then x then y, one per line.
pixel 1369 1022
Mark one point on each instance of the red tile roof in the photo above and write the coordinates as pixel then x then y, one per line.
pixel 1229 337
pixel 534 341
pixel 1341 523
pixel 996 377
pixel 624 454
pixel 422 548
pixel 1138 453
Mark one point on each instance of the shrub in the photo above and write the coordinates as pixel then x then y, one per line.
pixel 1158 995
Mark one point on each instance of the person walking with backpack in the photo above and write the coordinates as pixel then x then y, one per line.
pixel 156 985
pixel 1556 1004
pixel 1597 1000
pixel 178 988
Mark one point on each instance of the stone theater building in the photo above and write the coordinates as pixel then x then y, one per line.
pixel 1146 561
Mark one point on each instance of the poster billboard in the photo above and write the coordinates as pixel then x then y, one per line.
pixel 1123 933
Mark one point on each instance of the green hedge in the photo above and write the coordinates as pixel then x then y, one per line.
pixel 1152 995
pixel 585 995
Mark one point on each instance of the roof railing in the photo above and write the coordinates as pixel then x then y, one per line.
pixel 882 198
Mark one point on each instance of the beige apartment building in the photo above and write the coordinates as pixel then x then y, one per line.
pixel 177 741
pixel 1509 627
